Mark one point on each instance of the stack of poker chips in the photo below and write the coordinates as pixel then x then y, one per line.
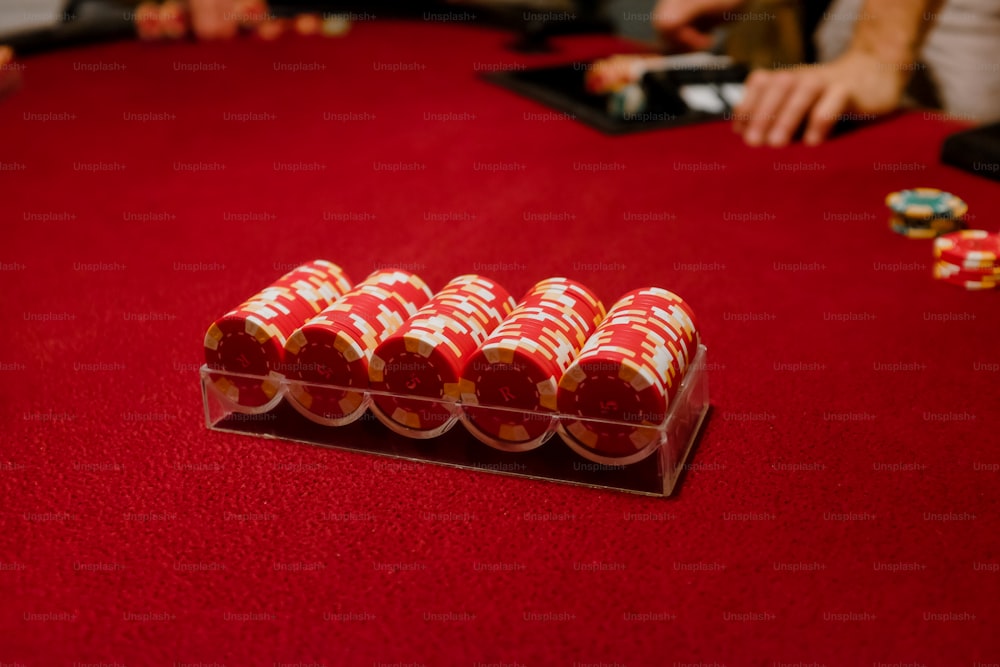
pixel 171 19
pixel 519 366
pixel 247 344
pixel 619 77
pixel 327 359
pixel 621 384
pixel 968 258
pixel 925 213
pixel 424 358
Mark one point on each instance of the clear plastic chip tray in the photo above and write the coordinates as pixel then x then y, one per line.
pixel 652 470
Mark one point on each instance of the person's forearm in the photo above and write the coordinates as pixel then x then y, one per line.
pixel 892 30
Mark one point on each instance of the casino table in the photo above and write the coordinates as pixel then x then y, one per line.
pixel 841 504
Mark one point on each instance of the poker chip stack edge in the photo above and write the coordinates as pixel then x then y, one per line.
pixel 925 213
pixel 414 373
pixel 615 395
pixel 969 259
pixel 515 373
pixel 246 345
pixel 327 359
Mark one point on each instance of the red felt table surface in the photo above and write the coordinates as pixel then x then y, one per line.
pixel 841 508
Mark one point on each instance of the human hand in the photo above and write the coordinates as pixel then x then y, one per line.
pixel 207 19
pixel 685 23
pixel 776 103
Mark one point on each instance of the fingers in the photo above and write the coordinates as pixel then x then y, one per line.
pixel 775 105
pixel 671 15
pixel 753 89
pixel 766 92
pixel 692 39
pixel 806 89
pixel 674 19
pixel 831 106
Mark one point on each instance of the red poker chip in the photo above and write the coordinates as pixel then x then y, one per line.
pixel 623 381
pixel 654 294
pixel 360 330
pixel 471 308
pixel 576 288
pixel 322 269
pixel 409 288
pixel 283 301
pixel 398 302
pixel 398 368
pixel 977 284
pixel 250 339
pixel 551 343
pixel 335 347
pixel 660 371
pixel 545 333
pixel 474 317
pixel 655 333
pixel 579 316
pixel 477 297
pixel 317 296
pixel 944 270
pixel 323 354
pixel 570 325
pixel 319 283
pixel 594 389
pixel 509 385
pixel 462 332
pixel 377 312
pixel 425 356
pixel 969 248
pixel 673 319
pixel 241 343
pixel 521 381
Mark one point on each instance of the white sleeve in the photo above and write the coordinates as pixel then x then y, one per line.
pixel 962 57
pixel 27 14
pixel 959 58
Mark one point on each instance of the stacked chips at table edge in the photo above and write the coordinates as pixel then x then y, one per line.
pixel 969 258
pixel 335 347
pixel 171 19
pixel 925 213
pixel 425 357
pixel 519 366
pixel 250 339
pixel 628 373
pixel 618 77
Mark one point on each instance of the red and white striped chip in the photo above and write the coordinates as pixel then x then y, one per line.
pixel 508 386
pixel 420 364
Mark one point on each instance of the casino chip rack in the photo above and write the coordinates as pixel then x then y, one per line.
pixel 279 402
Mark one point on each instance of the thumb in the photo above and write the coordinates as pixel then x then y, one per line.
pixel 671 15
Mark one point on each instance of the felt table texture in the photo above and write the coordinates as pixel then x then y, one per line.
pixel 841 508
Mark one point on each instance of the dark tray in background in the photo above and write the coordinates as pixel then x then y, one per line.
pixel 562 88
pixel 976 150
